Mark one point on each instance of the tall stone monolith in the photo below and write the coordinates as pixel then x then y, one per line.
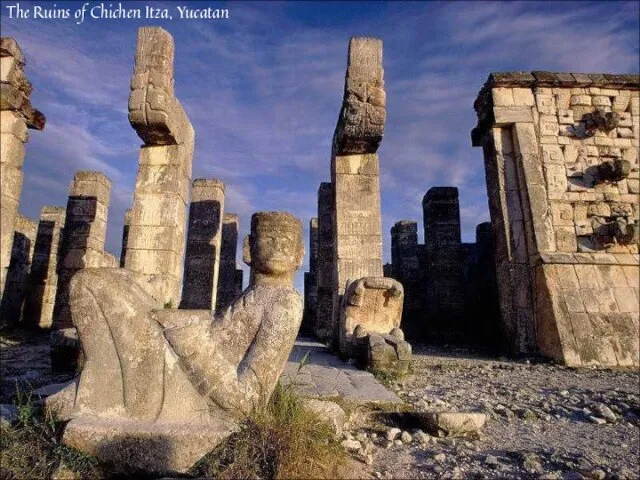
pixel 125 237
pixel 355 171
pixel 156 241
pixel 83 238
pixel 406 269
pixel 310 292
pixel 228 288
pixel 16 116
pixel 202 258
pixel 42 283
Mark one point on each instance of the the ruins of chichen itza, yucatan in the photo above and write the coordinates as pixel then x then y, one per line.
pixel 164 349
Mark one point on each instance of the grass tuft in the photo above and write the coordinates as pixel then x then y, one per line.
pixel 280 440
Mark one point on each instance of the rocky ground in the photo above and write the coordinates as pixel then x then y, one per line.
pixel 543 420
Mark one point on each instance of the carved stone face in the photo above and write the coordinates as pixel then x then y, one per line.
pixel 275 245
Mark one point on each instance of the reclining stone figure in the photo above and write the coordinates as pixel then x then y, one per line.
pixel 370 325
pixel 184 376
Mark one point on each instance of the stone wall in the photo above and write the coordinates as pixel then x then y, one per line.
pixel 561 159
pixel 24 239
pixel 83 238
pixel 125 237
pixel 228 285
pixel 202 257
pixel 42 283
pixel 16 116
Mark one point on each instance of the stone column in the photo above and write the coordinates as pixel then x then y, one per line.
pixel 561 159
pixel 406 269
pixel 156 241
pixel 84 235
pixel 43 279
pixel 125 237
pixel 24 238
pixel 443 266
pixel 310 299
pixel 228 288
pixel 16 116
pixel 202 258
pixel 324 279
pixel 355 171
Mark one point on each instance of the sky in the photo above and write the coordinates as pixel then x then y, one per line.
pixel 264 87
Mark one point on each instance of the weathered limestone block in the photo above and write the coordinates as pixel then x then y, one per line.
pixel 202 258
pixel 571 213
pixel 369 325
pixel 156 238
pixel 84 236
pixel 16 116
pixel 228 285
pixel 160 388
pixel 362 117
pixel 43 279
pixel 24 237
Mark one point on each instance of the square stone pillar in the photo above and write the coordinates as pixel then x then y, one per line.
pixel 561 160
pixel 355 171
pixel 16 116
pixel 202 258
pixel 443 289
pixel 228 285
pixel 406 269
pixel 42 283
pixel 310 292
pixel 83 239
pixel 24 237
pixel 324 269
pixel 156 239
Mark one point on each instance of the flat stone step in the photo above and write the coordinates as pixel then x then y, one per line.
pixel 325 375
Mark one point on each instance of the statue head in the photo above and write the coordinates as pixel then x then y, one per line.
pixel 274 249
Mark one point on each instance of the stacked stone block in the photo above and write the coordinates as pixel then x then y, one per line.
pixel 16 116
pixel 310 287
pixel 561 154
pixel 444 296
pixel 405 267
pixel 202 258
pixel 324 270
pixel 355 174
pixel 24 237
pixel 156 239
pixel 83 238
pixel 230 277
pixel 42 283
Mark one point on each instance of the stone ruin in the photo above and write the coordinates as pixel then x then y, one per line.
pixel 349 225
pixel 160 388
pixel 561 160
pixel 16 117
pixel 156 234
pixel 230 277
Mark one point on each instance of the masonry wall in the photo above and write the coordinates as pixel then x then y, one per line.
pixel 561 159
pixel 310 282
pixel 405 267
pixel 228 285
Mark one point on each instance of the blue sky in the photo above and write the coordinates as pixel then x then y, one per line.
pixel 263 90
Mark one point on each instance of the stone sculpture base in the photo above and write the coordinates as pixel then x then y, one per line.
pixel 156 447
